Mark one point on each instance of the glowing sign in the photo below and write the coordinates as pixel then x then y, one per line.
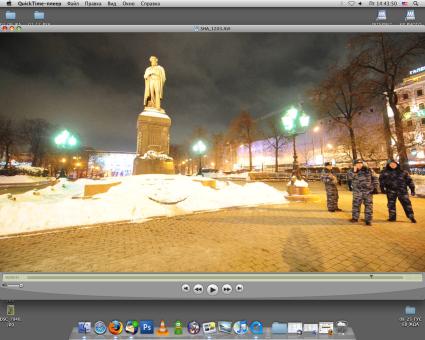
pixel 418 70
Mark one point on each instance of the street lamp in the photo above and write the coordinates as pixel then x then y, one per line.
pixel 65 140
pixel 199 148
pixel 295 123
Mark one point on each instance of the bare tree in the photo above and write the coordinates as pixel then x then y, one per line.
pixel 243 129
pixel 218 143
pixel 343 95
pixel 275 139
pixel 387 58
pixel 36 133
pixel 8 138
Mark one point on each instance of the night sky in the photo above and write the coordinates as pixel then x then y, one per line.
pixel 94 84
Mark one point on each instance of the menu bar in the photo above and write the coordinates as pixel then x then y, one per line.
pixel 210 3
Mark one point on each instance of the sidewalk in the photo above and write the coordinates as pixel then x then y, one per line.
pixel 301 237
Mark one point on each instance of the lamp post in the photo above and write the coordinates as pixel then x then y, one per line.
pixel 295 123
pixel 65 140
pixel 199 148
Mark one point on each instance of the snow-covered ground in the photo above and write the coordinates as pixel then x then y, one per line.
pixel 136 198
pixel 23 179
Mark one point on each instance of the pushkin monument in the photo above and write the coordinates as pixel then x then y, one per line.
pixel 153 126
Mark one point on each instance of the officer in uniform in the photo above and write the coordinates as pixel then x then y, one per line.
pixel 394 183
pixel 331 182
pixel 365 184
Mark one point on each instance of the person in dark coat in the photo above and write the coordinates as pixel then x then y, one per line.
pixel 365 185
pixel 330 180
pixel 350 175
pixel 394 182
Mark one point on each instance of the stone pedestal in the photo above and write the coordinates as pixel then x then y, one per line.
pixel 153 144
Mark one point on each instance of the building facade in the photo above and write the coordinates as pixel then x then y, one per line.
pixel 411 103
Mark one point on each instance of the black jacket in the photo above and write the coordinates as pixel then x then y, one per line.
pixel 396 180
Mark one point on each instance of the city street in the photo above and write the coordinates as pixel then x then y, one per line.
pixel 280 238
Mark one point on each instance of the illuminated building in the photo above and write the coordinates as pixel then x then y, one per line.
pixel 411 103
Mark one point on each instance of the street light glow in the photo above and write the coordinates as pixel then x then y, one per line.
pixel 316 129
pixel 199 147
pixel 65 139
pixel 293 112
pixel 288 122
pixel 304 120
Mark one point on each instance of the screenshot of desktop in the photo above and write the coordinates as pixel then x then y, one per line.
pixel 203 169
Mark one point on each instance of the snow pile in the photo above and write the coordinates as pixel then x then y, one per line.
pixel 31 170
pixel 23 179
pixel 151 154
pixel 136 198
pixel 299 183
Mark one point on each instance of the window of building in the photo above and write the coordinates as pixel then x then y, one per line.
pixel 407 109
pixel 423 121
pixel 419 93
pixel 405 96
pixel 421 106
pixel 409 123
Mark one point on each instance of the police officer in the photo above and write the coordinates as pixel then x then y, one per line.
pixel 394 183
pixel 350 175
pixel 365 184
pixel 331 182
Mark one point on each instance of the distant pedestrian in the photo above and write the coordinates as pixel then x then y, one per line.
pixel 365 185
pixel 350 175
pixel 330 180
pixel 394 183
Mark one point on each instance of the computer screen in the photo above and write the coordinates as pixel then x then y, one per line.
pixel 212 169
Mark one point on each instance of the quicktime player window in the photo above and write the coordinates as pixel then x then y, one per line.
pixel 212 170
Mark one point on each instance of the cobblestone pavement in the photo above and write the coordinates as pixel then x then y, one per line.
pixel 280 238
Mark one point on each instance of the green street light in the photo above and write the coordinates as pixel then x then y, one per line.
pixel 199 147
pixel 294 124
pixel 65 140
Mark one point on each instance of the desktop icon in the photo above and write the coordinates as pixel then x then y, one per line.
pixel 146 326
pixel 10 310
pixel 100 327
pixel 4 28
pixel 115 327
pixel 10 15
pixel 84 327
pixel 256 327
pixel 162 330
pixel 405 3
pixel 178 328
pixel 341 327
pixel 38 15
pixel 279 327
pixel 11 28
pixel 193 327
pixel 240 327
pixel 295 327
pixel 9 3
pixel 410 310
pixel 18 28
pixel 131 326
pixel 311 328
pixel 326 327
pixel 225 327
pixel 410 15
pixel 209 327
pixel 382 15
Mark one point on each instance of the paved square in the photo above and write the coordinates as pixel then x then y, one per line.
pixel 296 237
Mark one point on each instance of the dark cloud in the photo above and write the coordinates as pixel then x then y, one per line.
pixel 93 83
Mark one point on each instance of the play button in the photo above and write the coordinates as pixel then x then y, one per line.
pixel 212 289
